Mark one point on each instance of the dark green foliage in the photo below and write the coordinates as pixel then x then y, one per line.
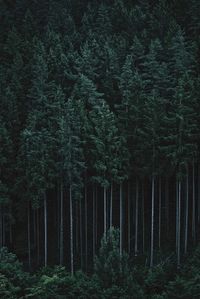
pixel 93 95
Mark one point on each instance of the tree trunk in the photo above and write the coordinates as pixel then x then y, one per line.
pixel 198 200
pixel 121 220
pixel 38 237
pixel 193 204
pixel 105 212
pixel 45 231
pixel 160 211
pixel 152 219
pixel 94 223
pixel 167 206
pixel 143 220
pixel 136 216
pixel 29 236
pixel 96 211
pixel 86 231
pixel 1 227
pixel 61 225
pixel 186 212
pixel 77 228
pixel 129 225
pixel 179 224
pixel 111 204
pixel 80 232
pixel 71 231
pixel 10 226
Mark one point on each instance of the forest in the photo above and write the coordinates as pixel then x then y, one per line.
pixel 99 149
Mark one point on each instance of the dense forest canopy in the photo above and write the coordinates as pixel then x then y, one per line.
pixel 99 128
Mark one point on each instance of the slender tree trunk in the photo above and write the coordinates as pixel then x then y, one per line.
pixel 152 219
pixel 129 225
pixel 34 230
pixel 4 229
pixel 10 226
pixel 1 227
pixel 186 212
pixel 179 224
pixel 136 216
pixel 167 206
pixel 71 232
pixel 121 220
pixel 81 238
pixel 96 211
pixel 143 219
pixel 94 223
pixel 38 237
pixel 198 200
pixel 86 231
pixel 193 204
pixel 160 211
pixel 45 231
pixel 105 212
pixel 77 228
pixel 61 225
pixel 29 236
pixel 111 204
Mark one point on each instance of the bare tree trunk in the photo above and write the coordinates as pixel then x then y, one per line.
pixel 143 219
pixel 81 238
pixel 129 225
pixel 160 211
pixel 186 212
pixel 105 212
pixel 193 204
pixel 71 231
pixel 86 231
pixel 38 237
pixel 121 220
pixel 77 228
pixel 45 231
pixel 152 219
pixel 29 236
pixel 136 216
pixel 10 225
pixel 179 224
pixel 61 225
pixel 167 206
pixel 1 227
pixel 94 222
pixel 96 212
pixel 111 204
pixel 198 199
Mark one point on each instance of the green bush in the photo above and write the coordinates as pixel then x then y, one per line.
pixel 12 271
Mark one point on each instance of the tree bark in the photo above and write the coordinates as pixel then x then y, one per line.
pixel 45 231
pixel 152 220
pixel 179 224
pixel 136 216
pixel 105 212
pixel 29 235
pixel 94 222
pixel 38 237
pixel 193 205
pixel 186 212
pixel 86 231
pixel 71 232
pixel 61 225
pixel 121 220
pixel 80 232
pixel 129 225
pixel 1 227
pixel 167 206
pixel 111 204
pixel 160 211
pixel 143 219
